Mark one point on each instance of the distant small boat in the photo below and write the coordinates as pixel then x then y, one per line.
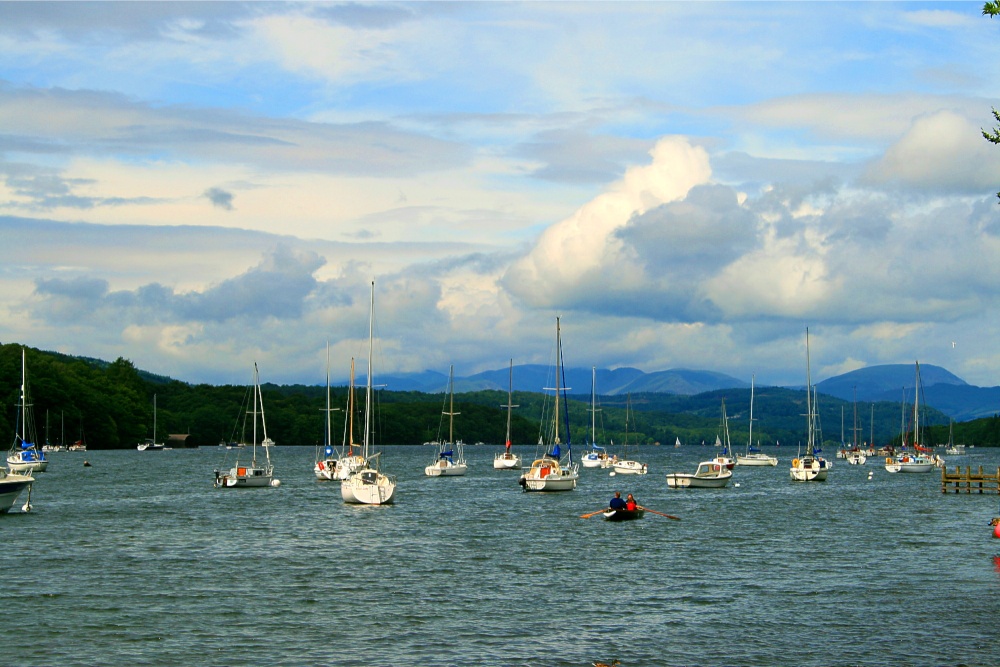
pixel 598 456
pixel 725 457
pixel 812 467
pixel 625 465
pixel 918 462
pixel 450 461
pixel 753 456
pixel 952 448
pixel 507 459
pixel 339 465
pixel 151 445
pixel 856 458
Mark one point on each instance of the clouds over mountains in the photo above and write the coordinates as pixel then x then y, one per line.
pixel 205 184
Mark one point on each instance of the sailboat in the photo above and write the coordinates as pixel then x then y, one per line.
pixel 952 448
pixel 811 467
pixel 326 465
pixel 753 456
pixel 450 461
pixel 48 446
pixel 151 445
pixel 550 472
pixel 919 460
pixel 597 457
pixel 25 455
pixel 253 474
pixel 350 454
pixel 81 444
pixel 625 465
pixel 725 457
pixel 855 456
pixel 508 460
pixel 368 485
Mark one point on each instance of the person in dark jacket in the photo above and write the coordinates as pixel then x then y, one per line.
pixel 617 503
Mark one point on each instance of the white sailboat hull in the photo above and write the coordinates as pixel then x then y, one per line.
pixel 565 482
pixel 629 467
pixel 368 487
pixel 245 478
pixel 756 460
pixel 507 462
pixel 11 486
pixel 446 469
pixel 548 475
pixel 809 470
pixel 913 466
pixel 17 465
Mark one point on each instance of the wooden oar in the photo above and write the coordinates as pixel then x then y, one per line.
pixel 587 516
pixel 669 516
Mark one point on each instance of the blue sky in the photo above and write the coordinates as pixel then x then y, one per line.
pixel 687 185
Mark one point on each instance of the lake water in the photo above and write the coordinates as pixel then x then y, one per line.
pixel 138 560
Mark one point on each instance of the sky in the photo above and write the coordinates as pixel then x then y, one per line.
pixel 199 186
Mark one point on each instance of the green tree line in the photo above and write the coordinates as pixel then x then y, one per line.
pixel 109 405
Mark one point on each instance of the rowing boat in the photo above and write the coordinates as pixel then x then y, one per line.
pixel 623 515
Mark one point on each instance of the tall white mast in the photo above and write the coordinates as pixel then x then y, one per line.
pixel 368 388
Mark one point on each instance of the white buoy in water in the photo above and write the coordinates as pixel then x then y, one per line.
pixel 275 483
pixel 736 484
pixel 611 474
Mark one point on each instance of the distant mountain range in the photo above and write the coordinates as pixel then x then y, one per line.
pixel 532 377
pixel 941 388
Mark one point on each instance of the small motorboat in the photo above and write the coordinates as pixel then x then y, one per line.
pixel 709 475
pixel 624 515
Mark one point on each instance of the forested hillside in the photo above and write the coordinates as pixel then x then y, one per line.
pixel 110 405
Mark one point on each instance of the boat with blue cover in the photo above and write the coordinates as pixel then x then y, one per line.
pixel 450 461
pixel 25 456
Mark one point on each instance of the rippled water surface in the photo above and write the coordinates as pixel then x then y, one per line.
pixel 138 560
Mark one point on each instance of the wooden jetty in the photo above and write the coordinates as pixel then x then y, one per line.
pixel 969 481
